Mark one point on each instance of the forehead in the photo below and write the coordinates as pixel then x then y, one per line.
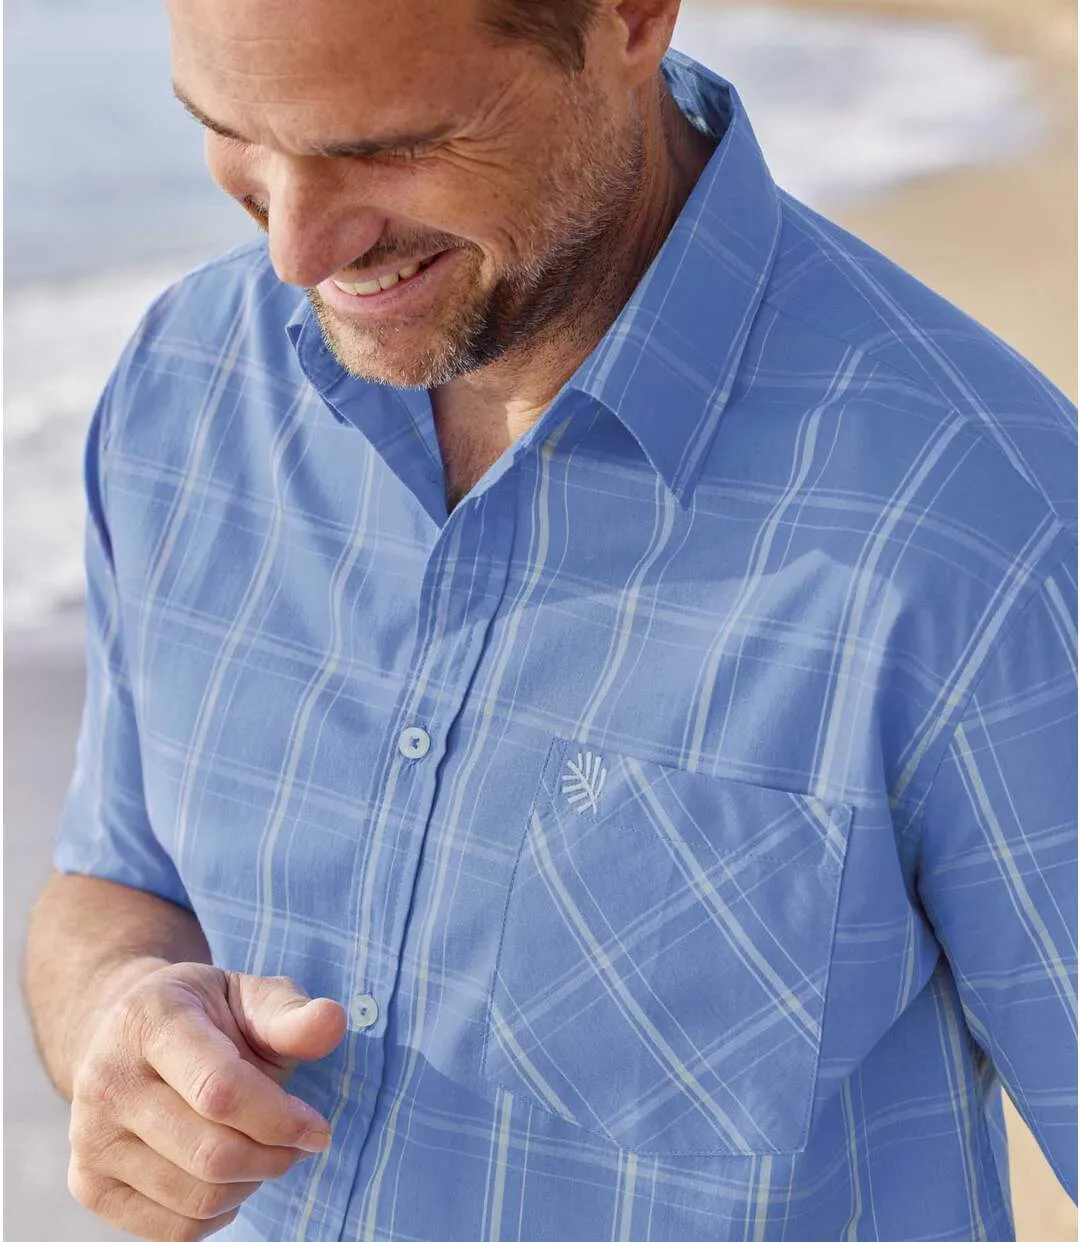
pixel 309 63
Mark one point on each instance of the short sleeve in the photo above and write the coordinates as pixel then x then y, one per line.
pixel 105 830
pixel 998 866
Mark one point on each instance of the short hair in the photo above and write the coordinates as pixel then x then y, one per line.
pixel 559 27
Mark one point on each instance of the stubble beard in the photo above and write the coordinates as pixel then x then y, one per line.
pixel 573 280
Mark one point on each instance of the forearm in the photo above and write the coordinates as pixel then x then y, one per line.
pixel 88 941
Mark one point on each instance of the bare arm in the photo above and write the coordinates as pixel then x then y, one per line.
pixel 88 941
pixel 174 1067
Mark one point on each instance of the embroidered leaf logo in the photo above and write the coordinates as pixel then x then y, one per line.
pixel 583 780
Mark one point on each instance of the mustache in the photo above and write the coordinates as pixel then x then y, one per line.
pixel 386 250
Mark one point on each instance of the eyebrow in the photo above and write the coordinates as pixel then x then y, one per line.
pixel 352 149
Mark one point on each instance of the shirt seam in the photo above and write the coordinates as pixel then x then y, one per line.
pixel 971 422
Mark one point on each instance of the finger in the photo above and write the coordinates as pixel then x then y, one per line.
pixel 280 1021
pixel 135 1214
pixel 206 1150
pixel 206 1069
pixel 131 1162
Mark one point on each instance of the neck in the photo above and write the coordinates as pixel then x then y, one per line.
pixel 509 395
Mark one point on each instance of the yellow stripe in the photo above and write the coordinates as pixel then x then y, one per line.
pixel 506 1105
pixel 761 1215
pixel 626 1202
pixel 851 1233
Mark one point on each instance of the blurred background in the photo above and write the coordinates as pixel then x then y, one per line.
pixel 941 131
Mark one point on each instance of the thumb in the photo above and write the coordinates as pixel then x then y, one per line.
pixel 281 1022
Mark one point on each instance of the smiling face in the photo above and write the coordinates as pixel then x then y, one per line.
pixel 512 201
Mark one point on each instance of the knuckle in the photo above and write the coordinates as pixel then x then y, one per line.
pixel 94 1193
pixel 77 1182
pixel 99 1082
pixel 82 1126
pixel 146 1017
pixel 92 1142
pixel 215 1095
pixel 134 1009
pixel 129 1019
pixel 205 1200
pixel 215 1159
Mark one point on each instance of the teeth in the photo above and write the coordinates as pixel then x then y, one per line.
pixel 365 288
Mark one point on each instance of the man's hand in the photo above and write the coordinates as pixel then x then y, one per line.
pixel 178 1112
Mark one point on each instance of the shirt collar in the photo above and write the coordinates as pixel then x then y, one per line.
pixel 667 365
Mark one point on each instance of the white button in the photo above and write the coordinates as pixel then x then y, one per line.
pixel 414 743
pixel 365 1011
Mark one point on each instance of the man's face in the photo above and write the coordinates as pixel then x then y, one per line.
pixel 511 203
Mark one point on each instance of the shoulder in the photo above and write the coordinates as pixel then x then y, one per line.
pixel 235 296
pixel 929 360
pixel 934 467
pixel 206 389
pixel 219 329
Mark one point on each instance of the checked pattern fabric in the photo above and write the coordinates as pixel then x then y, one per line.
pixel 684 930
pixel 686 821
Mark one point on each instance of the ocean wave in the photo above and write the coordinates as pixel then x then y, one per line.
pixel 843 107
pixel 59 347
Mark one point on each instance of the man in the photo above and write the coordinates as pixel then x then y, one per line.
pixel 612 643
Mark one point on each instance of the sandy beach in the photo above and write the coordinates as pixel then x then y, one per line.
pixel 999 240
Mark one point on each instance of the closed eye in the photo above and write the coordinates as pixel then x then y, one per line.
pixel 403 148
pixel 402 154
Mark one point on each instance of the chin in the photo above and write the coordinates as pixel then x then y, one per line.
pixel 402 357
pixel 420 368
pixel 399 363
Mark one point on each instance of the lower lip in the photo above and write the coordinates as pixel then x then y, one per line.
pixel 398 297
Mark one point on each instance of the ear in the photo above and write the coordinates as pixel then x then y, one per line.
pixel 645 28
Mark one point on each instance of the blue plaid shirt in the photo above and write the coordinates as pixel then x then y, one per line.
pixel 686 821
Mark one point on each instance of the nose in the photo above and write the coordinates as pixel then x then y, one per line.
pixel 316 227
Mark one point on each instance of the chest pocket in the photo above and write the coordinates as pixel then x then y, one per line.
pixel 664 955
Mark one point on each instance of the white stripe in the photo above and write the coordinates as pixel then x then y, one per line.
pixel 759 559
pixel 651 1037
pixel 751 955
pixel 515 1053
pixel 997 612
pixel 863 584
pixel 666 510
pixel 1056 970
pixel 506 1104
